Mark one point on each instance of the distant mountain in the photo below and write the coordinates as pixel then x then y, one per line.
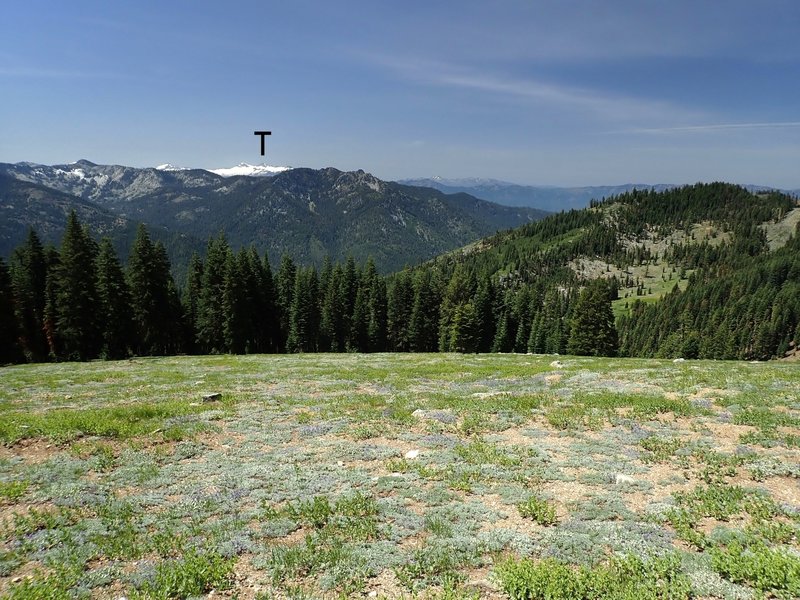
pixel 548 198
pixel 308 213
pixel 24 204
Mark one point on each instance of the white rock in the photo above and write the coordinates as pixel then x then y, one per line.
pixel 679 360
pixel 557 364
pixel 412 454
pixel 373 594
pixel 621 478
pixel 340 463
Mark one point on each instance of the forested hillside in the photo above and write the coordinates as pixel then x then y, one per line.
pixel 688 272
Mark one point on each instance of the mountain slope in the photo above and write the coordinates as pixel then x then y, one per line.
pixel 24 204
pixel 308 213
pixel 706 271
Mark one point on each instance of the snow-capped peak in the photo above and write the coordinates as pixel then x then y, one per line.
pixel 263 170
pixel 169 167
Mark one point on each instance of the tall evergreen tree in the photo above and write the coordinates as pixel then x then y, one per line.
pixel 154 300
pixel 9 332
pixel 285 283
pixel 237 304
pixel 77 320
pixel 400 305
pixel 304 316
pixel 424 326
pixel 190 301
pixel 378 319
pixel 332 318
pixel 50 326
pixel 593 331
pixel 210 309
pixel 29 281
pixel 114 297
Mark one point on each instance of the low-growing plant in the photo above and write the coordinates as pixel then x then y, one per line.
pixel 12 491
pixel 626 577
pixel 541 511
pixel 659 449
pixel 194 574
pixel 766 569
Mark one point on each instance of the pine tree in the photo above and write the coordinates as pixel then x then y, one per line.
pixel 359 323
pixel 115 304
pixel 400 304
pixel 304 315
pixel 237 307
pixel 285 282
pixel 593 332
pixel 77 305
pixel 465 328
pixel 154 299
pixel 210 310
pixel 49 325
pixel 378 319
pixel 9 331
pixel 424 327
pixel 484 314
pixel 190 301
pixel 29 280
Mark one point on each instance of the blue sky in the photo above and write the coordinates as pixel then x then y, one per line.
pixel 560 92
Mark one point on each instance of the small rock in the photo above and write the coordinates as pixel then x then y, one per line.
pixel 443 416
pixel 679 360
pixel 212 397
pixel 339 463
pixel 16 580
pixel 68 397
pixel 557 364
pixel 412 454
pixel 621 478
pixel 373 594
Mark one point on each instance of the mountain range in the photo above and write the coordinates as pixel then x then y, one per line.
pixel 307 213
pixel 549 198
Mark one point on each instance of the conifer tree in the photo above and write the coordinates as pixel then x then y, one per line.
pixel 465 328
pixel 268 317
pixel 593 332
pixel 378 319
pixel 50 327
pixel 424 326
pixel 304 315
pixel 115 304
pixel 190 301
pixel 484 314
pixel 210 309
pixel 154 300
pixel 77 305
pixel 285 283
pixel 9 332
pixel 358 340
pixel 29 280
pixel 400 304
pixel 237 304
pixel 332 318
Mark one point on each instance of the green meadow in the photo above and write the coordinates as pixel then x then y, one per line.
pixel 400 476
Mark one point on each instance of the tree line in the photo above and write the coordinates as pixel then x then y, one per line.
pixel 79 302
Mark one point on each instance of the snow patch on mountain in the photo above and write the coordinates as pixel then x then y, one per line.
pixel 169 167
pixel 263 170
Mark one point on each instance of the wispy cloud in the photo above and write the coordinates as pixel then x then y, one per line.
pixel 715 127
pixel 42 73
pixel 600 104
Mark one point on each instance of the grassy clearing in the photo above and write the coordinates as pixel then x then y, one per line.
pixel 433 476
